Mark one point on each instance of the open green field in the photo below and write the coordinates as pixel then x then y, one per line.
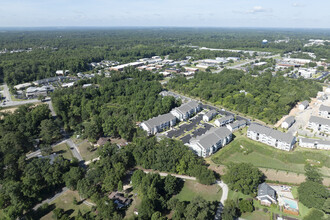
pixel 242 149
pixel 191 189
pixel 85 152
pixel 65 202
pixel 64 150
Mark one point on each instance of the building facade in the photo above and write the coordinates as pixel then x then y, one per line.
pixel 274 138
pixel 186 110
pixel 318 124
pixel 159 123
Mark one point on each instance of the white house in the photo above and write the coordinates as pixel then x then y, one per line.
pixel 208 116
pixel 288 122
pixel 319 124
pixel 274 138
pixel 303 105
pixel 210 142
pixel 236 125
pixel 223 121
pixel 266 194
pixel 159 123
pixel 314 143
pixel 186 110
pixel 324 111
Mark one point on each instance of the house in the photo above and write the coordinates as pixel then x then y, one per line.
pixel 324 111
pixel 223 121
pixel 314 143
pixel 288 122
pixel 303 105
pixel 191 69
pixel 86 85
pixel 62 72
pixel 159 123
pixel 274 138
pixel 208 116
pixel 186 110
pixel 266 194
pixel 102 141
pixel 120 200
pixel 211 141
pixel 236 125
pixel 319 124
pixel 51 158
pixel 22 86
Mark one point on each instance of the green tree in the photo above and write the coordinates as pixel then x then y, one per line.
pixel 243 177
pixel 312 194
pixel 72 177
pixel 326 206
pixel 246 206
pixel 230 210
pixel 312 174
pixel 49 131
pixel 314 214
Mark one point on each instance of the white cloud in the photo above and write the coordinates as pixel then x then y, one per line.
pixel 257 9
pixel 296 5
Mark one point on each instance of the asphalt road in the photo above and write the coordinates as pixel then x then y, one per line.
pixel 10 103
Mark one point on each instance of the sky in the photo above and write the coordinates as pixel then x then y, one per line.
pixel 174 13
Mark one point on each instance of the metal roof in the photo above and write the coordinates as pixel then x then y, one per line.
pixel 212 137
pixel 324 108
pixel 156 121
pixel 284 137
pixel 319 120
pixel 290 120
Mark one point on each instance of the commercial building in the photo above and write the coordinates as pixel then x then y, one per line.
pixel 37 91
pixel 274 138
pixel 211 141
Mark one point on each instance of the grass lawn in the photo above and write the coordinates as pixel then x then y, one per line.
pixel 242 149
pixel 85 153
pixel 135 204
pixel 303 210
pixel 256 215
pixel 64 150
pixel 65 202
pixel 192 189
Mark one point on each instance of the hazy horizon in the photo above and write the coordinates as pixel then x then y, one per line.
pixel 166 13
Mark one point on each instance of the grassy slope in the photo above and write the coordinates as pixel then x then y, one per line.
pixel 242 149
pixel 192 189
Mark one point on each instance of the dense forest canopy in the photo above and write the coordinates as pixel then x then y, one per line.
pixel 74 49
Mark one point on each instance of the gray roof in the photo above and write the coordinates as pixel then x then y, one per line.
pixel 319 120
pixel 324 108
pixel 184 108
pixel 153 122
pixel 284 137
pixel 212 137
pixel 313 141
pixel 290 120
pixel 229 117
pixel 211 113
pixel 304 103
pixel 237 123
pixel 264 189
